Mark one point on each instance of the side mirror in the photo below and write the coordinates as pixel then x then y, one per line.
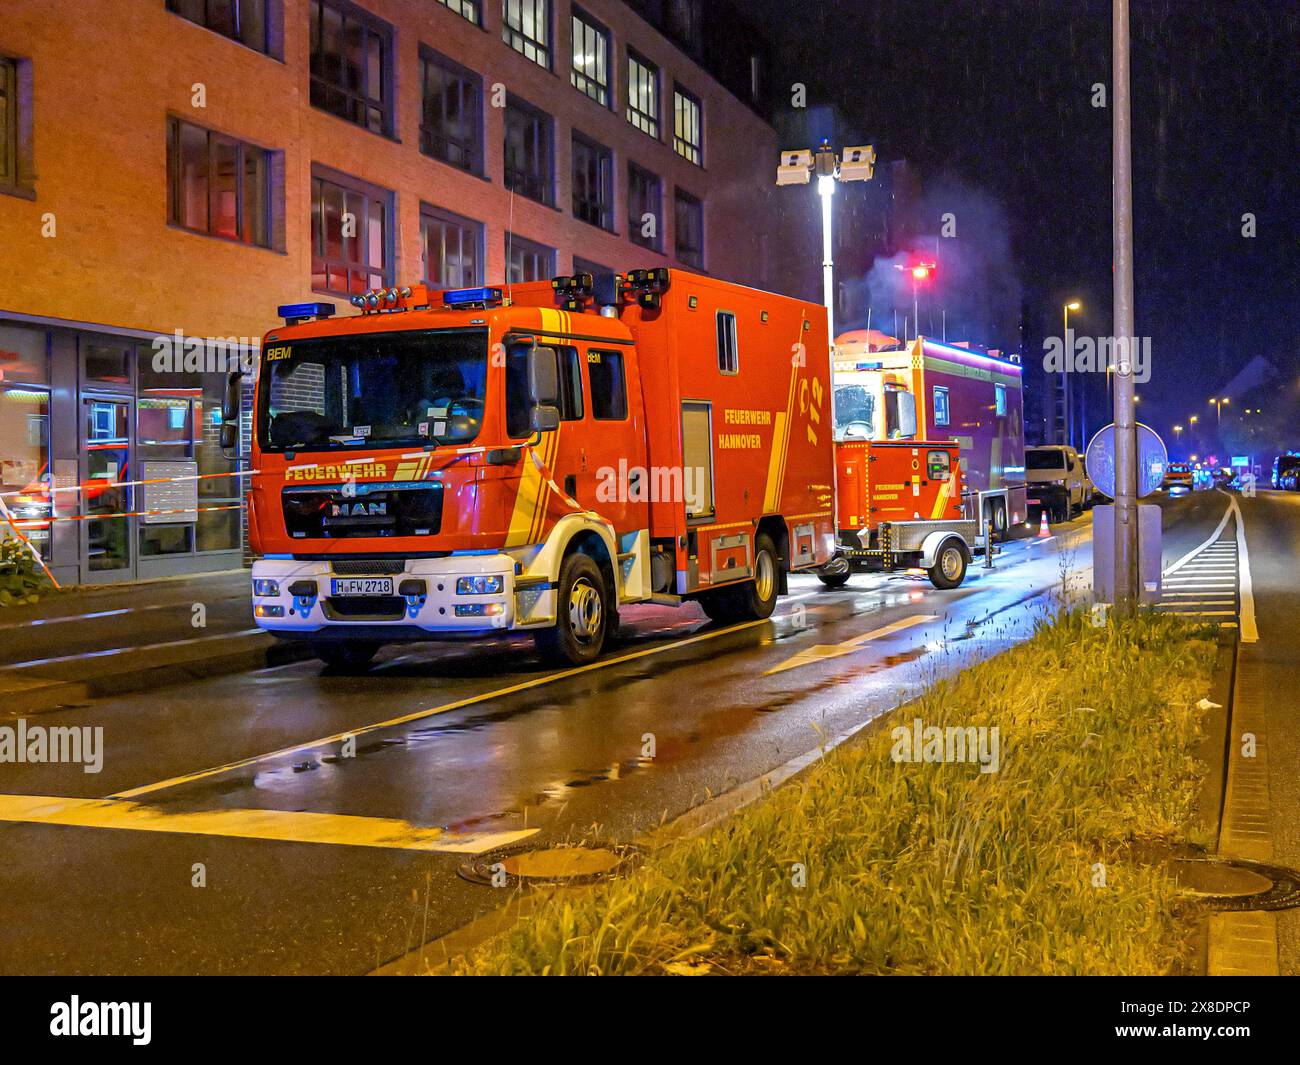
pixel 230 404
pixel 543 390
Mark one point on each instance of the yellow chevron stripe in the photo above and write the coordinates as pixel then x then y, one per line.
pixel 941 501
pixel 772 494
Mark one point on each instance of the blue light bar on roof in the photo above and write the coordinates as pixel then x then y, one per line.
pixel 293 313
pixel 462 297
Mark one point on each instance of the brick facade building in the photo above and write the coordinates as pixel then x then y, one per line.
pixel 190 164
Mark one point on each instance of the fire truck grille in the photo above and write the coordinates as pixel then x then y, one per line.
pixel 371 510
pixel 364 608
pixel 367 567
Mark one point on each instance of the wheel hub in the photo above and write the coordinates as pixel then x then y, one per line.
pixel 765 577
pixel 585 610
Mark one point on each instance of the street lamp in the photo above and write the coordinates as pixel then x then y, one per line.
pixel 920 272
pixel 1218 405
pixel 798 167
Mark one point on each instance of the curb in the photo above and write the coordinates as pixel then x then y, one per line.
pixel 35 689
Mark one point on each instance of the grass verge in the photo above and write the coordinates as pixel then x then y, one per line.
pixel 915 867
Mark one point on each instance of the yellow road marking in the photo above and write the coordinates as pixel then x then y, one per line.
pixel 283 826
pixel 822 651
pixel 417 715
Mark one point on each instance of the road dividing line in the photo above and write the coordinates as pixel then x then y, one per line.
pixel 339 737
pixel 822 651
pixel 1204 545
pixel 1249 629
pixel 282 826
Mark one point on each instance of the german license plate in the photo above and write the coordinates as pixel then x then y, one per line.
pixel 361 586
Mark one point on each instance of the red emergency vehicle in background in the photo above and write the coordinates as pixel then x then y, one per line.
pixel 929 452
pixel 533 457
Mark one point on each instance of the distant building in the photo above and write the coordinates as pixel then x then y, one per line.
pixel 189 165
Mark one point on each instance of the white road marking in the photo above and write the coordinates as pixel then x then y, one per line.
pixel 821 651
pixel 1249 629
pixel 284 826
pixel 1204 545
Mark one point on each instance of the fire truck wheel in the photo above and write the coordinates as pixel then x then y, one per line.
pixel 949 568
pixel 582 613
pixel 346 655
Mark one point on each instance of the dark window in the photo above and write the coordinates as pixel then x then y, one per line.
pixel 590 73
pixel 593 182
pixel 351 65
pixel 244 21
pixel 570 381
pixel 940 405
pixel 351 224
pixel 526 27
pixel 608 389
pixel 468 9
pixel 688 127
pixel 530 168
pixel 453 249
pixel 451 127
pixel 217 184
pixel 590 266
pixel 645 205
pixel 528 261
pixel 728 350
pixel 689 217
pixel 8 122
pixel 643 94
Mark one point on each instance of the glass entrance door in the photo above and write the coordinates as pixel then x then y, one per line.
pixel 107 534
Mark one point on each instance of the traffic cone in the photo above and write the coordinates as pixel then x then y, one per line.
pixel 1043 530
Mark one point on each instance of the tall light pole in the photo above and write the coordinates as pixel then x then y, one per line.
pixel 1126 512
pixel 1066 384
pixel 920 272
pixel 798 167
pixel 1218 405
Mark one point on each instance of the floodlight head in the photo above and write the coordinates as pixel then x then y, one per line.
pixel 858 164
pixel 795 168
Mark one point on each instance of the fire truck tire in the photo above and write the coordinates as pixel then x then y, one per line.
pixel 349 656
pixel 835 580
pixel 754 600
pixel 949 568
pixel 582 614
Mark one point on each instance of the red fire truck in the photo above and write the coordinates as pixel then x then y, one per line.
pixel 534 457
pixel 930 449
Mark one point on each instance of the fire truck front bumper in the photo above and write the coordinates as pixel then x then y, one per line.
pixel 466 594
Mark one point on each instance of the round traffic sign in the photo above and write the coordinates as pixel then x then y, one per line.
pixel 1151 460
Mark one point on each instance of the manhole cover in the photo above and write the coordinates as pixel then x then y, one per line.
pixel 548 866
pixel 1236 884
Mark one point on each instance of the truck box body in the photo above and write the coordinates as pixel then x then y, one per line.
pixel 395 447
pixel 958 394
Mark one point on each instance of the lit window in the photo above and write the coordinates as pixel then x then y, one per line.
pixel 688 130
pixel 452 249
pixel 526 27
pixel 467 9
pixel 590 73
pixel 940 405
pixel 643 94
pixel 351 224
pixel 528 261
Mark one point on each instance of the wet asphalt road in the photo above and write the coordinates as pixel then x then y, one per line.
pixel 491 741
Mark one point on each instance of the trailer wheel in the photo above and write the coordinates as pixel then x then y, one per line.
pixel 582 614
pixel 949 568
pixel 347 656
pixel 755 599
pixel 835 580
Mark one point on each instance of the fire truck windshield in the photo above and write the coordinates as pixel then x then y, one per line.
pixel 409 388
pixel 855 409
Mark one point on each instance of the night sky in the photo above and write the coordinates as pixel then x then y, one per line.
pixel 997 94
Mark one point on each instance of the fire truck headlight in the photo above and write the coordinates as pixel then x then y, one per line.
pixel 266 588
pixel 479 585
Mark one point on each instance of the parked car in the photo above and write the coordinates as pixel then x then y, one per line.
pixel 1057 481
pixel 1286 472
